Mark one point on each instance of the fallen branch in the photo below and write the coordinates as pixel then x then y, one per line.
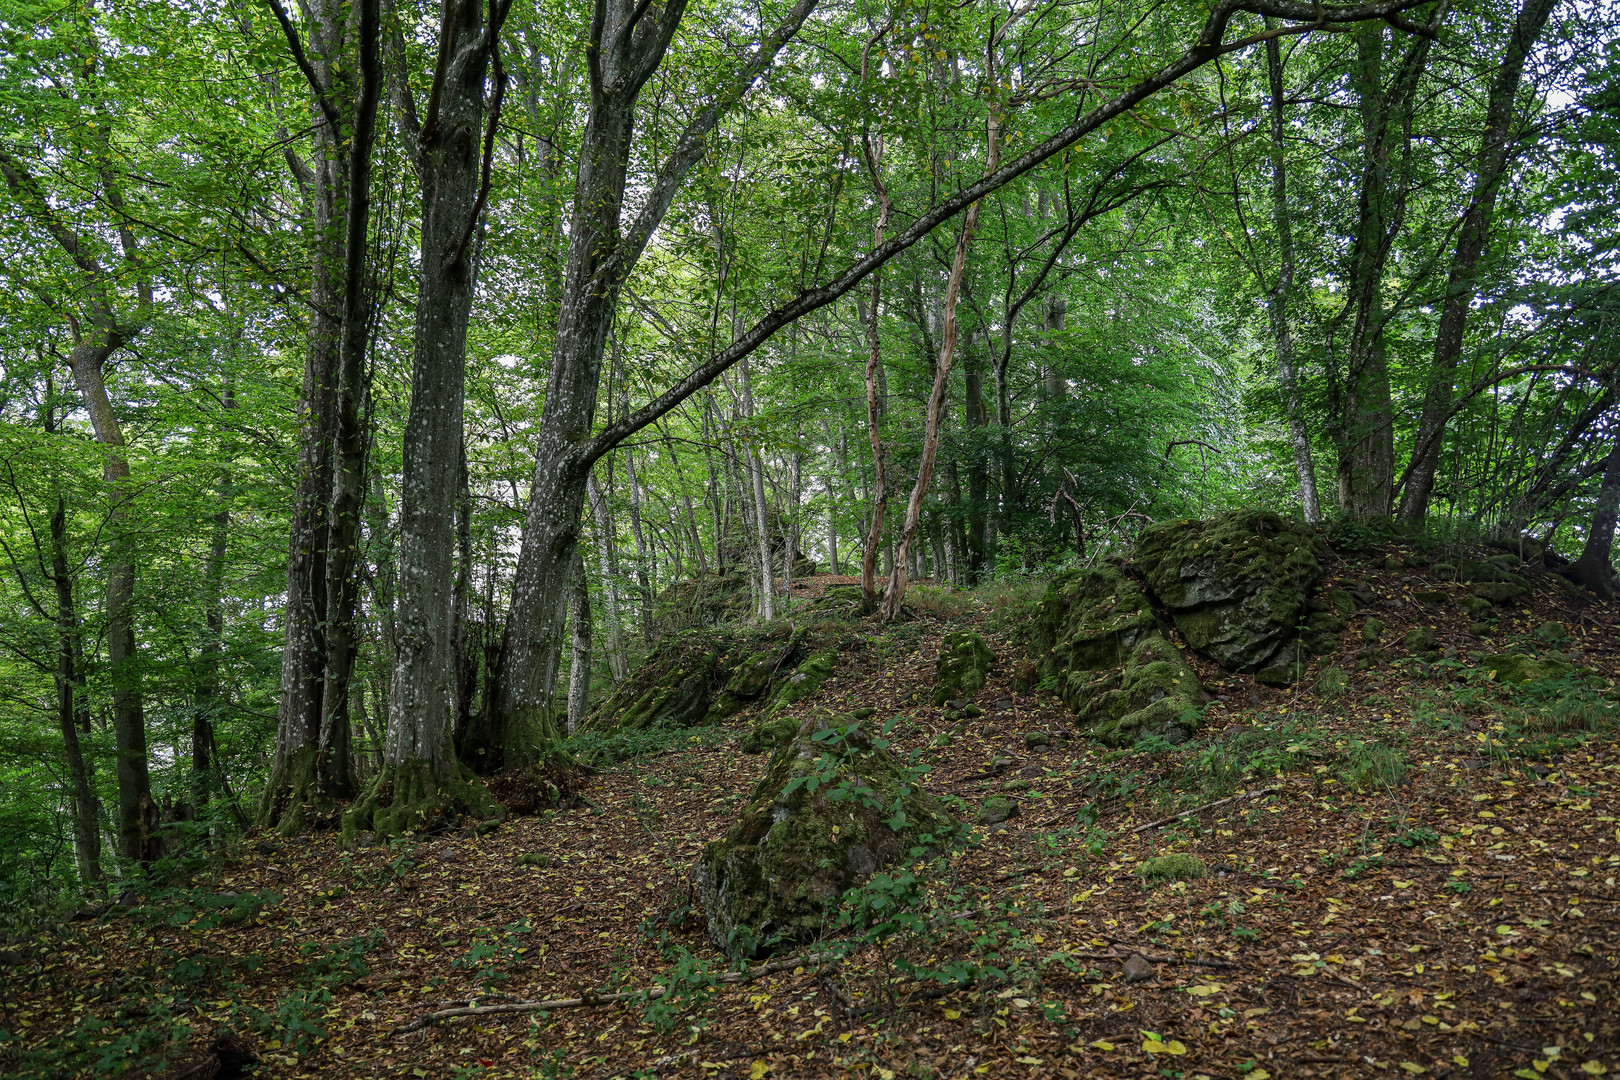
pixel 1200 809
pixel 594 1000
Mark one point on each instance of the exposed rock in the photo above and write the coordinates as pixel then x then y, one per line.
pixel 1478 606
pixel 705 600
pixel 1286 672
pixel 1137 969
pixel 1089 620
pixel 963 664
pixel 778 873
pixel 996 809
pixel 1235 585
pixel 1153 693
pixel 1420 641
pixel 1430 596
pixel 669 689
pixel 1322 631
pixel 805 680
pixel 1499 592
pixel 1371 630
pixel 1037 740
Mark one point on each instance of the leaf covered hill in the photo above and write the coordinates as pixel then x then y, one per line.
pixel 1407 868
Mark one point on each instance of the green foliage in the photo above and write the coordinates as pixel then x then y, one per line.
pixel 1176 866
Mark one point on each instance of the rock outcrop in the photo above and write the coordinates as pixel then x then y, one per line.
pixel 831 810
pixel 963 665
pixel 1236 586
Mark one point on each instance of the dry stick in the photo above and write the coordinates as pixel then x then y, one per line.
pixel 1200 809
pixel 592 1000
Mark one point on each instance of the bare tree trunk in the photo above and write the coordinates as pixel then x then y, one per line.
pixel 1594 568
pixel 421 778
pixel 579 668
pixel 978 479
pixel 207 706
pixel 874 402
pixel 86 807
pixel 756 480
pixel 1277 299
pixel 137 814
pixel 1495 155
pixel 607 563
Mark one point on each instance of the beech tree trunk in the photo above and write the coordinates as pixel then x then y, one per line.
pixel 69 692
pixel 608 566
pixel 421 780
pixel 1594 568
pixel 1278 296
pixel 1473 237
pixel 579 668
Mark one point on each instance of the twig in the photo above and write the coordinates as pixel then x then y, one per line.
pixel 593 1000
pixel 1200 809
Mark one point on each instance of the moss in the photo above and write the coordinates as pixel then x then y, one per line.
pixel 1332 683
pixel 1235 585
pixel 781 868
pixel 294 802
pixel 1089 620
pixel 415 796
pixel 1419 641
pixel 1513 669
pixel 671 688
pixel 1178 866
pixel 805 680
pixel 1153 693
pixel 768 735
pixel 963 664
pixel 996 809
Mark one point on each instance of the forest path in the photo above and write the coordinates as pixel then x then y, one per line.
pixel 1412 896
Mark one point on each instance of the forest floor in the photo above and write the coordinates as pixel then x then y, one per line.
pixel 1417 879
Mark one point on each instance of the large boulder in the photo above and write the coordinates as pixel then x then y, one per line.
pixel 962 667
pixel 1235 585
pixel 670 689
pixel 805 680
pixel 748 671
pixel 1153 693
pixel 832 808
pixel 1097 636
pixel 1090 620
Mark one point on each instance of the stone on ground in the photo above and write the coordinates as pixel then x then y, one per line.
pixel 1235 585
pixel 1154 693
pixel 778 874
pixel 963 665
pixel 669 690
pixel 805 680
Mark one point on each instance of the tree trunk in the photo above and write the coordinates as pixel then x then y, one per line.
pixel 756 480
pixel 895 594
pixel 421 780
pixel 1277 298
pixel 579 668
pixel 207 706
pixel 1473 237
pixel 875 401
pixel 86 807
pixel 1594 569
pixel 137 814
pixel 1366 436
pixel 978 419
pixel 607 564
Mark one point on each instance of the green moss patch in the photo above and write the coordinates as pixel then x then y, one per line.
pixel 963 665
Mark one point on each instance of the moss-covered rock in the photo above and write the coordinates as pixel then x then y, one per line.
pixel 1178 866
pixel 705 600
pixel 1332 683
pixel 1478 607
pixel 1499 592
pixel 796 846
pixel 670 689
pixel 1420 641
pixel 1513 669
pixel 963 665
pixel 1089 620
pixel 1283 672
pixel 996 809
pixel 1322 631
pixel 805 680
pixel 1153 692
pixel 1235 585
pixel 767 735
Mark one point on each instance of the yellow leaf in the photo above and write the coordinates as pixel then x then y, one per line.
pixel 1153 1046
pixel 1102 1044
pixel 1259 1074
pixel 757 1070
pixel 952 1014
pixel 1175 1047
pixel 1205 990
pixel 1593 1068
pixel 1414 1068
pixel 1459 1061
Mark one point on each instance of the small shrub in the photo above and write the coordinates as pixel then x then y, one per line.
pixel 1372 766
pixel 1178 866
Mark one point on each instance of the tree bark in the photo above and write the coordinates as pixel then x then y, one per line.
pixel 1278 296
pixel 607 565
pixel 874 400
pixel 1594 568
pixel 69 680
pixel 1473 237
pixel 421 779
pixel 579 668
pixel 978 418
